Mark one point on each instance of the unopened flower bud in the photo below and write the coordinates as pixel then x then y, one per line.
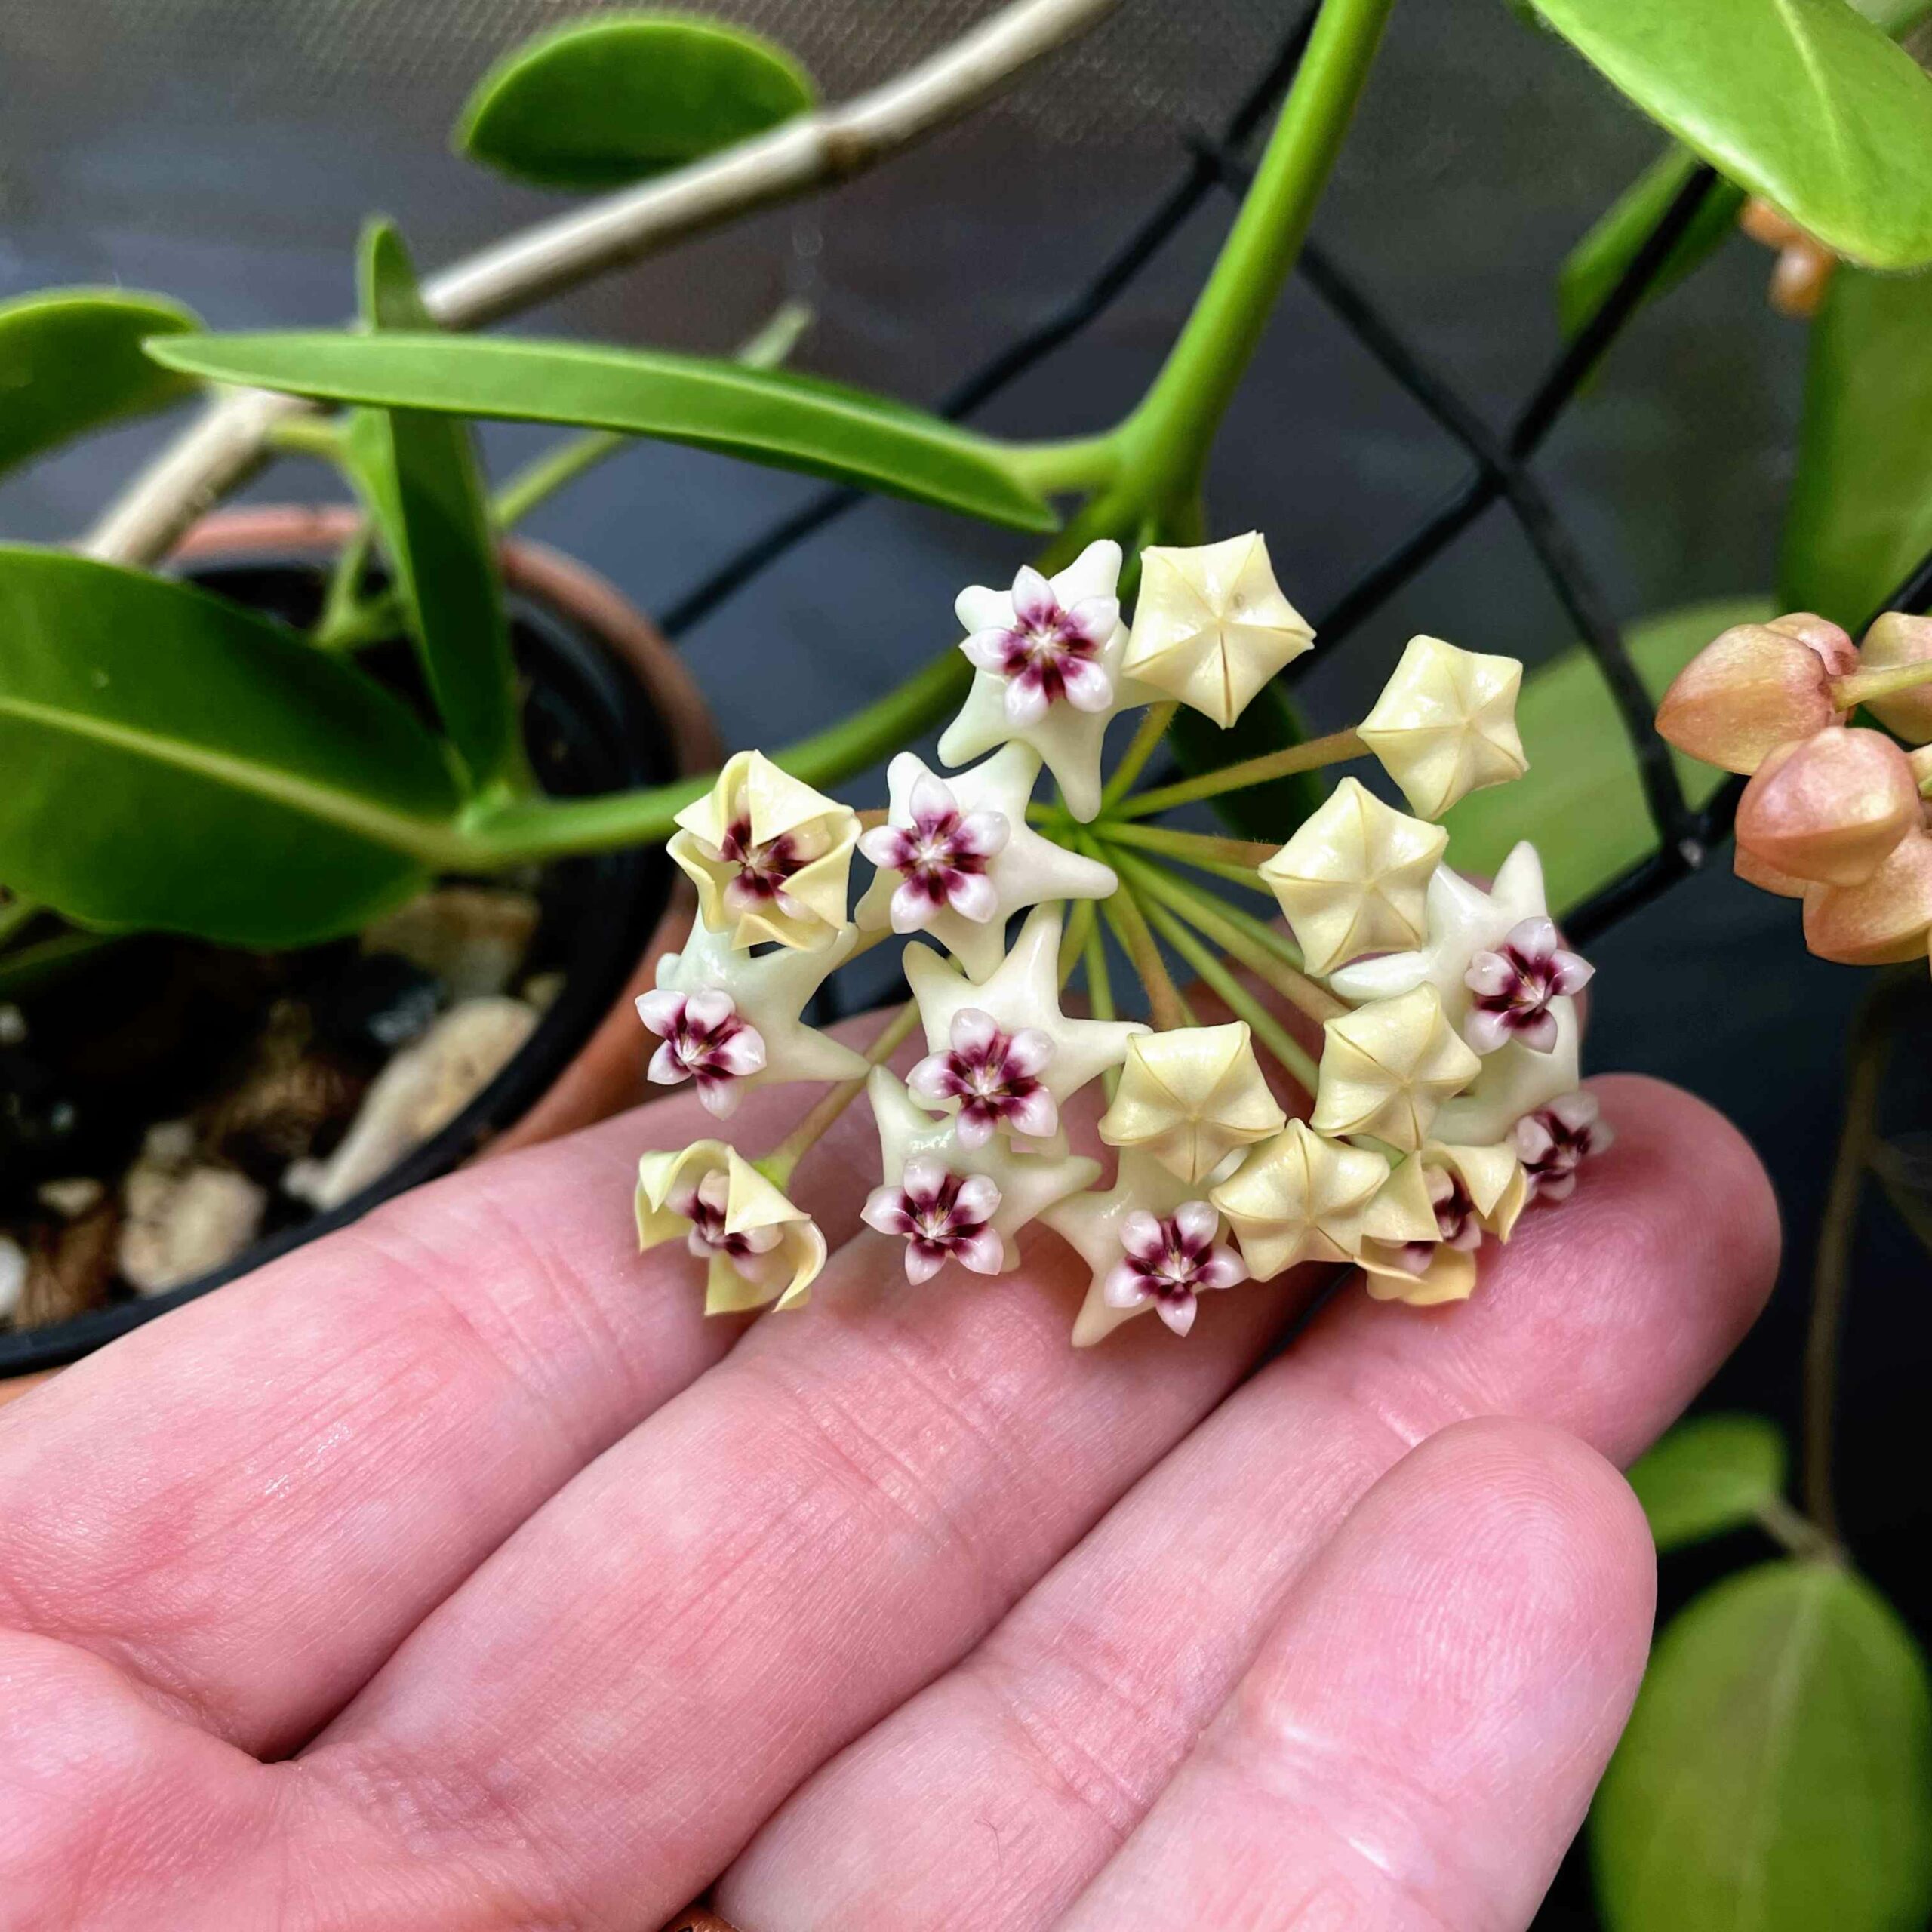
pixel 1894 639
pixel 1753 871
pixel 1883 920
pixel 1830 807
pixel 1754 688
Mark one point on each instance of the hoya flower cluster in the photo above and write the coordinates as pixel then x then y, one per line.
pixel 1834 814
pixel 1445 1098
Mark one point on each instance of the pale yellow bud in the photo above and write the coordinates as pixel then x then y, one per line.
pixel 709 1194
pixel 1299 1198
pixel 1445 724
pixel 1190 1097
pixel 1386 1067
pixel 770 856
pixel 1354 878
pixel 1211 626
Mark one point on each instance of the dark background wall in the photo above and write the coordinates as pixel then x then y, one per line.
pixel 226 150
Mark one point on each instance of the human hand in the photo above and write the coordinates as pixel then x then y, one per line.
pixel 454 1574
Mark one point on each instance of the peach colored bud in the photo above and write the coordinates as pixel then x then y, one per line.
pixel 1766 224
pixel 1893 640
pixel 1831 807
pixel 1832 642
pixel 1753 871
pixel 1752 688
pixel 1881 922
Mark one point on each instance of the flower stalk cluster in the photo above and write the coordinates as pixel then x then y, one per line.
pixel 1396 1077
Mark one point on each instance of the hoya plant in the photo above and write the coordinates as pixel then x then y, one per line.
pixel 1389 1077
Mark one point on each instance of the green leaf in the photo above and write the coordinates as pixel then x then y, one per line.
pixel 71 361
pixel 420 474
pixel 1776 1774
pixel 1582 800
pixel 1803 102
pixel 173 761
pixel 1595 266
pixel 789 422
pixel 1709 1476
pixel 1859 514
pixel 1271 722
pixel 596 103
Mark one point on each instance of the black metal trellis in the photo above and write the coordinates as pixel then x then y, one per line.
pixel 1685 834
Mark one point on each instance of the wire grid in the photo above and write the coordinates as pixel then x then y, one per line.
pixel 1500 473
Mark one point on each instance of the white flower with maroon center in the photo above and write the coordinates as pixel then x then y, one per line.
pixel 1169 1259
pixel 1048 656
pixel 702 1203
pixel 993 1076
pixel 1513 986
pixel 729 1020
pixel 941 857
pixel 1018 867
pixel 1047 653
pixel 943 1217
pixel 705 1042
pixel 1553 1142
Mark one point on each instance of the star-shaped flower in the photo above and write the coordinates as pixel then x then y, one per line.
pixel 1299 1198
pixel 1445 724
pixel 1018 1010
pixel 1211 626
pixel 730 1022
pixel 1387 1067
pixel 1022 869
pixel 1190 1097
pixel 1463 921
pixel 1426 1225
pixel 1354 877
pixel 1513 986
pixel 760 1248
pixel 1109 1233
pixel 912 1143
pixel 1553 1142
pixel 769 857
pixel 1048 658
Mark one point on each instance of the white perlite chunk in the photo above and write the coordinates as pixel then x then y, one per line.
pixel 416 1095
pixel 181 1222
pixel 13 1276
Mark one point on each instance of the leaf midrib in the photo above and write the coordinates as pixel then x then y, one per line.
pixel 422 838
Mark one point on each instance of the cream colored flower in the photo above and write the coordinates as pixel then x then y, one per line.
pixel 770 856
pixel 1047 655
pixel 1354 878
pixel 1299 1198
pixel 1211 626
pixel 1445 724
pixel 1191 1097
pixel 1386 1068
pixel 1425 1227
pixel 760 1249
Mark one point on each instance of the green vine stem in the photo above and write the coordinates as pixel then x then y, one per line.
pixel 1310 755
pixel 1862 687
pixel 1166 1003
pixel 1073 939
pixel 1831 1277
pixel 1144 743
pixel 15 915
pixel 1165 442
pixel 1101 994
pixel 777 1166
pixel 1293 1060
pixel 1242 854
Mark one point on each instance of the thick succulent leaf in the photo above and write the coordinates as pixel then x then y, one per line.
pixel 71 361
pixel 1582 800
pixel 173 761
pixel 420 474
pixel 1709 1476
pixel 598 103
pixel 1860 515
pixel 1595 266
pixel 1805 102
pixel 1776 1774
pixel 789 422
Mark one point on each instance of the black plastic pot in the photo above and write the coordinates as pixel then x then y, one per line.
pixel 590 727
